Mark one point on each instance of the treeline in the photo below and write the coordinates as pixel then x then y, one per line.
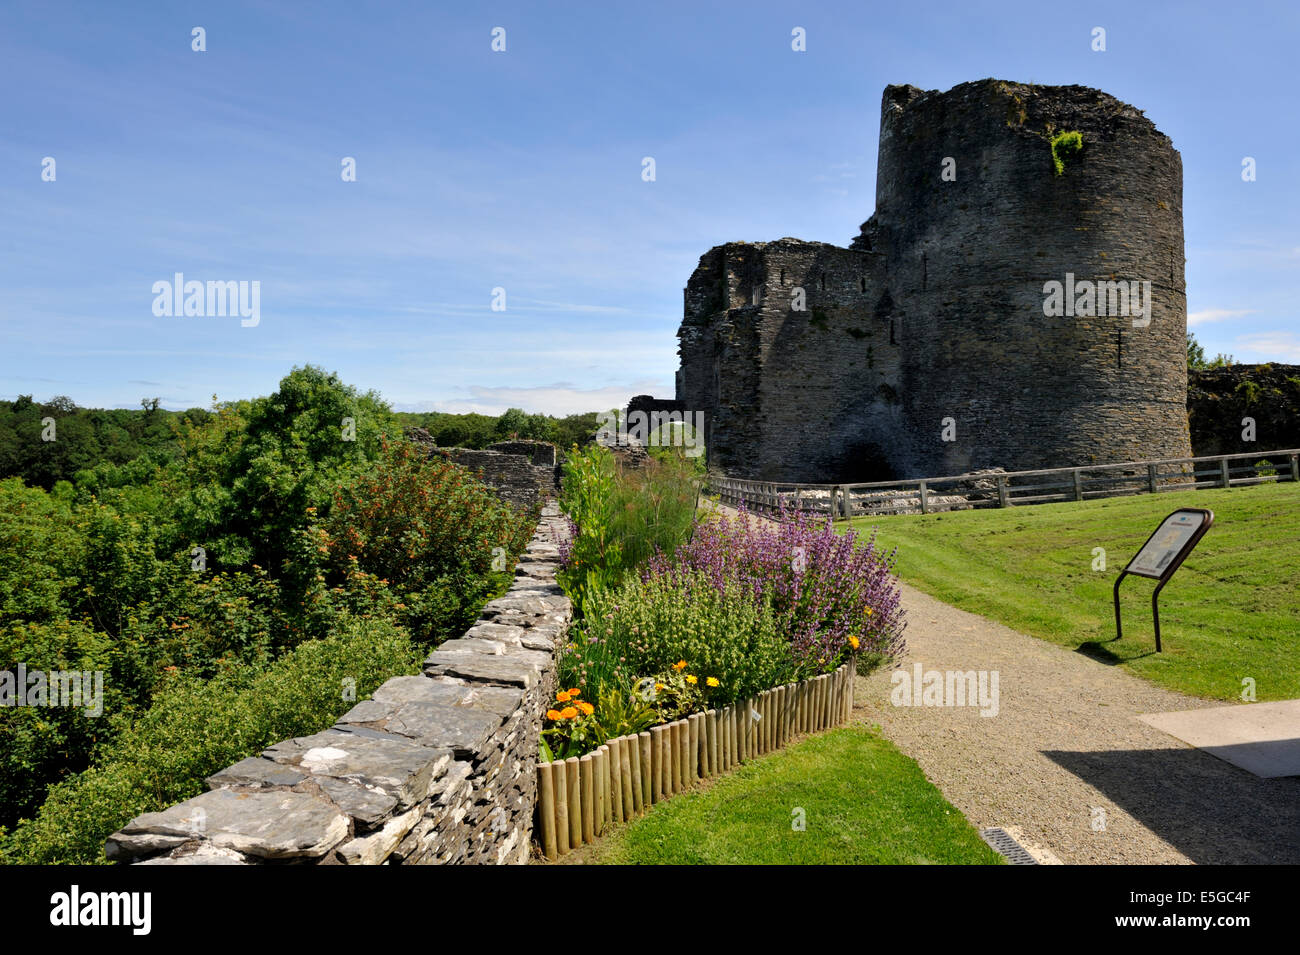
pixel 479 430
pixel 47 442
pixel 96 448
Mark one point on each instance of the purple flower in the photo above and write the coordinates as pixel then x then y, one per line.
pixel 823 586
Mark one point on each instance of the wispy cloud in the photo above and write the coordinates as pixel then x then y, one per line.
pixel 1270 346
pixel 1205 316
pixel 561 398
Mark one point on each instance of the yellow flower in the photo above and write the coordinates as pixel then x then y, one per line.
pixel 869 611
pixel 712 681
pixel 552 714
pixel 568 713
pixel 691 679
pixel 562 697
pixel 659 686
pixel 679 665
pixel 854 642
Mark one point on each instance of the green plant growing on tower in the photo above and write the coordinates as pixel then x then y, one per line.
pixel 1248 391
pixel 1064 145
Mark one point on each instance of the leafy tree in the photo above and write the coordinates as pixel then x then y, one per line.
pixel 575 429
pixel 261 466
pixel 1196 360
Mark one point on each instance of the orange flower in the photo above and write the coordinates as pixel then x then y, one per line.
pixel 679 665
pixel 568 713
pixel 552 714
pixel 586 707
pixel 575 693
pixel 562 697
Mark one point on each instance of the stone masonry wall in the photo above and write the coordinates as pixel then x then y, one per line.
pixel 513 476
pixel 540 454
pixel 434 769
pixel 791 391
pixel 1219 398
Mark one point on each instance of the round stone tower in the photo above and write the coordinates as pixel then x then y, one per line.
pixel 1038 291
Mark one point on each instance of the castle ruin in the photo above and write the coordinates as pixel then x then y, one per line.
pixel 923 348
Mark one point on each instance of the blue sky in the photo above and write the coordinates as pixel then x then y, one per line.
pixel 522 170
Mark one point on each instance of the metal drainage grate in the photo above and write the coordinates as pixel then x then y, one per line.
pixel 1004 843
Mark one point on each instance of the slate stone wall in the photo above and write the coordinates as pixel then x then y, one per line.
pixel 540 454
pixel 789 393
pixel 438 768
pixel 1219 398
pixel 935 310
pixel 513 476
pixel 650 405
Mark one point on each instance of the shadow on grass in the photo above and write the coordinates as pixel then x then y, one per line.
pixel 1211 811
pixel 1099 651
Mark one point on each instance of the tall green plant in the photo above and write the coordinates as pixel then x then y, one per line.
pixel 594 557
pixel 622 516
pixel 654 506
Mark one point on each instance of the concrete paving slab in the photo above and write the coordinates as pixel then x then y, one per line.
pixel 1261 738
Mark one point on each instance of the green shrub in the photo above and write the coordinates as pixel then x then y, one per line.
pixel 1065 145
pixel 195 728
pixel 41 744
pixel 644 628
pixel 434 535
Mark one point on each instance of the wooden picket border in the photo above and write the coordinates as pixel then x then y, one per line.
pixel 579 799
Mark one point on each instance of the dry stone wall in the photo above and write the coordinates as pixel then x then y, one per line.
pixel 1219 400
pixel 435 768
pixel 541 454
pixel 513 475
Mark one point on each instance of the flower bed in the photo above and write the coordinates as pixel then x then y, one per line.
pixel 735 616
pixel 580 798
pixel 740 607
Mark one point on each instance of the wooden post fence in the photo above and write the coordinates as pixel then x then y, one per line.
pixel 1013 488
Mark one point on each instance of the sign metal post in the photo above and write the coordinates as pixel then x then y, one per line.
pixel 1162 554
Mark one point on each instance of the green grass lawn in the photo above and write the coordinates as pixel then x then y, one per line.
pixel 863 802
pixel 1231 611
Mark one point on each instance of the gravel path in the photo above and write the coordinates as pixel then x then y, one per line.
pixel 1065 753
